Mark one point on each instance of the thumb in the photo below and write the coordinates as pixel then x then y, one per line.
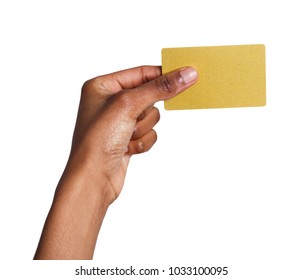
pixel 161 88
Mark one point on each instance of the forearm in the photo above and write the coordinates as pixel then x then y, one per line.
pixel 74 220
pixel 115 121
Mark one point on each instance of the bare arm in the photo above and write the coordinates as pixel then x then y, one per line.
pixel 115 121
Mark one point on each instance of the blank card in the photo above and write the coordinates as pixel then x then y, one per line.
pixel 229 76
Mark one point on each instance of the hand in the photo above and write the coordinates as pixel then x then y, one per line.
pixel 115 121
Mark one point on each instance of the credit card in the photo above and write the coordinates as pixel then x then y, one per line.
pixel 229 76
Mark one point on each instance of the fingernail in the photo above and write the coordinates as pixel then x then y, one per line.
pixel 189 75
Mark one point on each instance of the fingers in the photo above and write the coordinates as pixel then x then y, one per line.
pixel 151 118
pixel 110 84
pixel 135 92
pixel 164 87
pixel 96 92
pixel 144 137
pixel 142 144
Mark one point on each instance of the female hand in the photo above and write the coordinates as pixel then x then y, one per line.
pixel 115 121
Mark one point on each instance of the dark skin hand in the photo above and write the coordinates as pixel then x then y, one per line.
pixel 115 121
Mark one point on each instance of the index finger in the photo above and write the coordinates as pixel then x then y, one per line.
pixel 127 79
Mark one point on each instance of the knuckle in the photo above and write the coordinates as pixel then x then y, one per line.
pixel 143 144
pixel 166 84
pixel 89 87
pixel 155 137
pixel 140 147
pixel 96 86
pixel 157 113
pixel 136 132
pixel 141 116
pixel 144 74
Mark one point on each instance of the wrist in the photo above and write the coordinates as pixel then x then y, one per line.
pixel 75 218
pixel 82 183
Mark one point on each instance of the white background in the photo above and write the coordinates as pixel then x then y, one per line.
pixel 221 187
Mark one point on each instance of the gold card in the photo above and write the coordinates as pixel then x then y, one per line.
pixel 229 76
